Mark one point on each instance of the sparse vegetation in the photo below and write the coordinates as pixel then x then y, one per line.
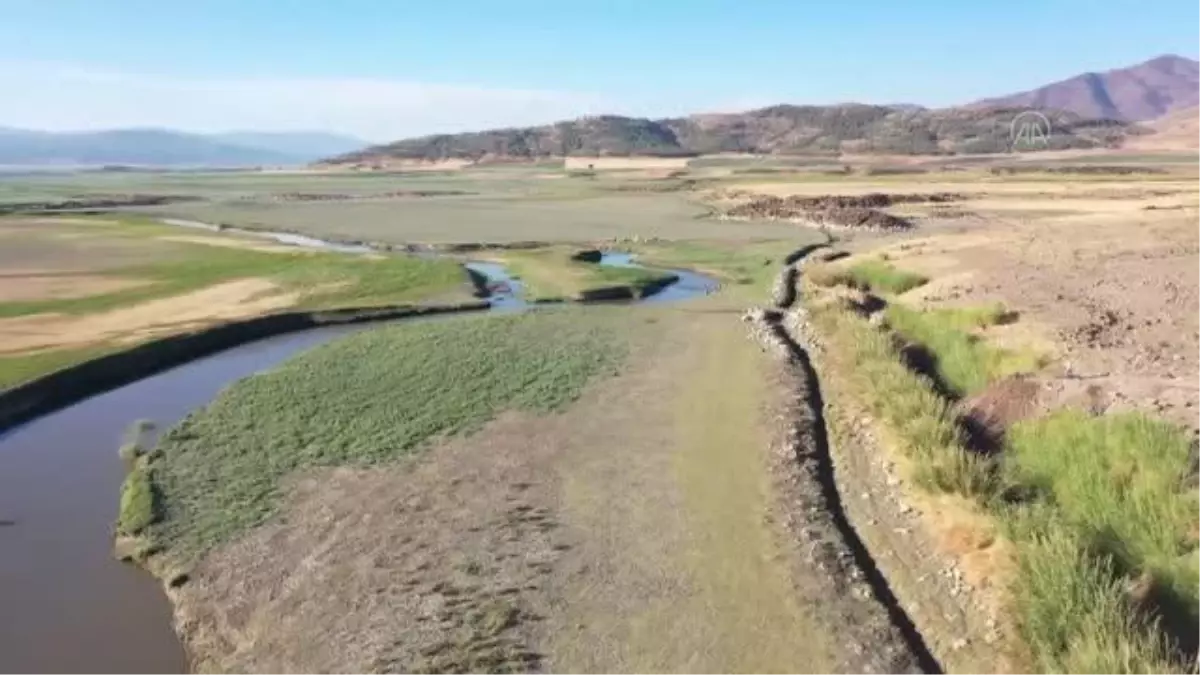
pixel 220 469
pixel 165 267
pixel 780 129
pixel 17 369
pixel 1105 523
pixel 883 277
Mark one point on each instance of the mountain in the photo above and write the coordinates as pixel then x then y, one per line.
pixel 781 129
pixel 1142 92
pixel 302 145
pixel 164 147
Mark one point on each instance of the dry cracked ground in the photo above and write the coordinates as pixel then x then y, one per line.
pixel 1102 273
pixel 1105 283
pixel 629 533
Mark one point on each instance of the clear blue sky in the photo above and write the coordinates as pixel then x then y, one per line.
pixel 641 57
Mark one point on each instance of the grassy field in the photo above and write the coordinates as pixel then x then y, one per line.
pixel 323 279
pixel 77 288
pixel 550 216
pixel 219 471
pixel 500 204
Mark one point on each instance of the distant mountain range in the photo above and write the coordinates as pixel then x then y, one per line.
pixel 1086 111
pixel 781 129
pixel 1142 92
pixel 164 147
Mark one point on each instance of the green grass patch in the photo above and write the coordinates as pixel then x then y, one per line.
pixel 374 397
pixel 1117 484
pixel 24 367
pixel 869 275
pixel 922 421
pixel 551 274
pixel 964 362
pixel 882 277
pixel 746 267
pixel 1074 615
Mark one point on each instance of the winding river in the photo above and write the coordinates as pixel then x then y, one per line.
pixel 67 605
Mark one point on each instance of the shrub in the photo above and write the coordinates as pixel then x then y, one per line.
pixel 136 511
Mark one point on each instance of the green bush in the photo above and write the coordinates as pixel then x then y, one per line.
pixel 137 507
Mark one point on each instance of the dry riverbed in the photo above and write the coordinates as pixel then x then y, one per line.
pixel 628 532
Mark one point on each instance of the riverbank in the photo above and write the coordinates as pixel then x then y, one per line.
pixel 74 383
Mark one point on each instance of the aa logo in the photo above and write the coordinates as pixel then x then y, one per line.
pixel 1029 130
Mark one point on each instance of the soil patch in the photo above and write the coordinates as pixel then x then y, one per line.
pixel 840 211
pixel 229 300
pixel 21 287
pixel 1114 293
pixel 234 242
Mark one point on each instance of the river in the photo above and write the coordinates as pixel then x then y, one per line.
pixel 68 605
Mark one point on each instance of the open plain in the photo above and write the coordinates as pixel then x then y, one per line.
pixel 630 488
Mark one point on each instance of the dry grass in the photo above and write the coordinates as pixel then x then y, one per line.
pixel 24 287
pixel 220 302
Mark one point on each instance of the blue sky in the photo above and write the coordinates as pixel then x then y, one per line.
pixel 389 68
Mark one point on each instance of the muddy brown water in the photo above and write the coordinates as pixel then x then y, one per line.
pixel 66 604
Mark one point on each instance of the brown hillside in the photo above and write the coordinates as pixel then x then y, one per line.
pixel 1142 92
pixel 1179 130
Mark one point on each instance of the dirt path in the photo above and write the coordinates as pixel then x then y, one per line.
pixel 630 533
pixel 675 569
